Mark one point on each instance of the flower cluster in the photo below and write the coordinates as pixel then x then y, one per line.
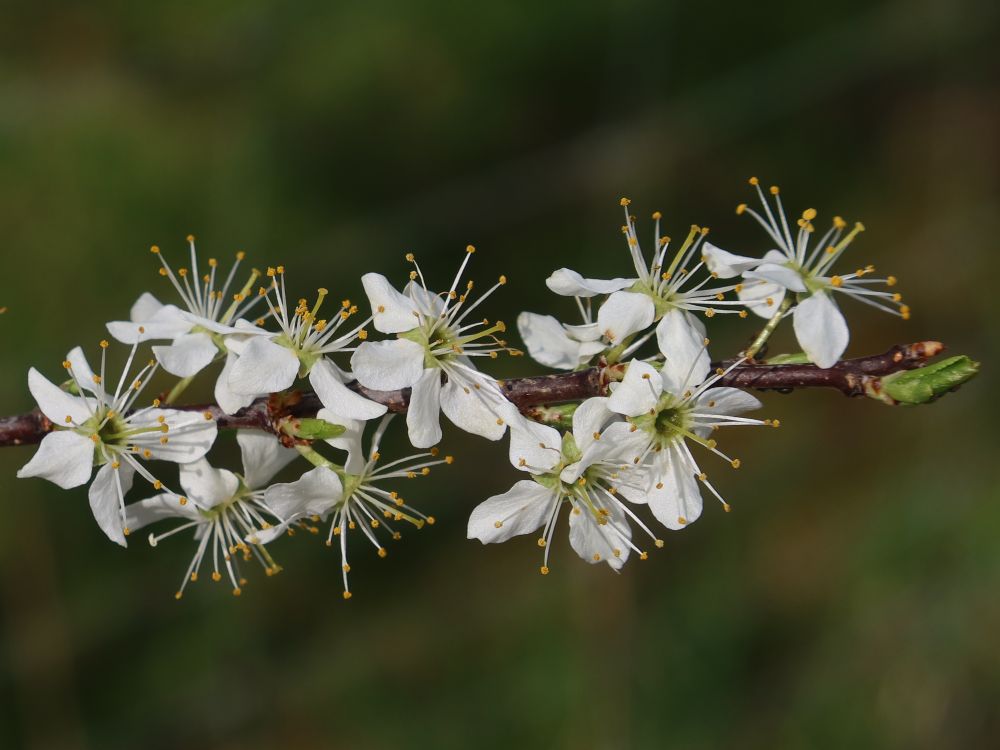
pixel 634 450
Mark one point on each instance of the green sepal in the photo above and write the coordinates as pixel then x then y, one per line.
pixel 920 386
pixel 570 451
pixel 309 428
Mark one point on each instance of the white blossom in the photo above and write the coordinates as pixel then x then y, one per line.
pixel 433 354
pixel 658 289
pixel 271 361
pixel 580 469
pixel 223 509
pixel 802 266
pixel 106 431
pixel 196 330
pixel 557 345
pixel 666 410
pixel 351 495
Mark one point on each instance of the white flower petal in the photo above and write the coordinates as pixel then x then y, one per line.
pixel 523 509
pixel 162 507
pixel 189 434
pixel 779 274
pixel 467 407
pixel 263 367
pixel 328 383
pixel 84 374
pixel 540 446
pixel 639 390
pixel 314 493
pixel 349 441
pixel 388 365
pixel 423 420
pixel 144 308
pixel 595 542
pixel 820 329
pixel 591 417
pixel 620 443
pixel 54 402
pixel 569 283
pixel 263 456
pixel 547 341
pixel 726 401
pixel 687 362
pixel 724 264
pixel 676 502
pixel 623 314
pixel 588 332
pixel 206 485
pixel 104 499
pixel 64 458
pixel 761 297
pixel 427 303
pixel 227 400
pixel 167 322
pixel 188 355
pixel 392 312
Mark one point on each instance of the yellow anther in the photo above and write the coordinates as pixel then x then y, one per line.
pixel 347 595
pixel 836 281
pixel 726 507
pixel 643 556
pixel 774 190
pixel 382 552
pixel 682 520
pixel 657 215
pixel 470 249
pixel 736 463
pixel 182 500
pixel 710 313
pixel 541 541
pixel 498 524
pixel 659 543
pixel 544 570
pixel 740 209
pixel 624 202
pixel 754 181
pixel 891 281
pixel 503 280
pixel 155 250
pixel 182 272
pixel 809 214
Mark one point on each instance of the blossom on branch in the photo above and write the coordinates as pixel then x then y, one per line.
pixel 350 495
pixel 271 361
pixel 196 332
pixel 802 266
pixel 107 431
pixel 580 469
pixel 223 509
pixel 433 354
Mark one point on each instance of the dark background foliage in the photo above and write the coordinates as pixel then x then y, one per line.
pixel 851 598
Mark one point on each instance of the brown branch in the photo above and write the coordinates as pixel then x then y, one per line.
pixel 852 377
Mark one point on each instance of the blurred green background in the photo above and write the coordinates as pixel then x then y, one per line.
pixel 852 599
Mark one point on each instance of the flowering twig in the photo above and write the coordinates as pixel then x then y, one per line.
pixel 852 377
